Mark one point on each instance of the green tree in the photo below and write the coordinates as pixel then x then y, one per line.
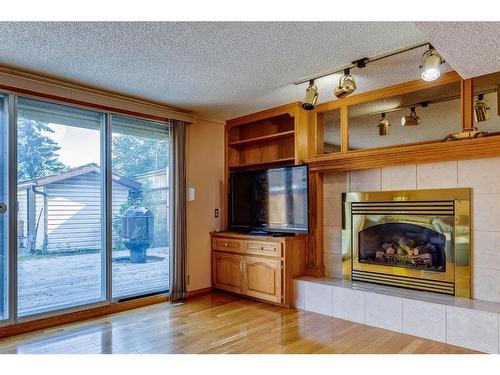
pixel 37 153
pixel 133 155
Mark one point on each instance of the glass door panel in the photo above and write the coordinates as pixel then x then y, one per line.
pixel 140 207
pixel 60 243
pixel 3 210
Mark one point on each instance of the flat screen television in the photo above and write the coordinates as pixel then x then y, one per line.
pixel 271 200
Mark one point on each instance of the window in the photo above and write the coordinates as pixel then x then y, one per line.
pixel 69 246
pixel 60 253
pixel 140 196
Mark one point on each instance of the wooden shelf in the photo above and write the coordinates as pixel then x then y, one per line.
pixel 262 163
pixel 431 152
pixel 264 138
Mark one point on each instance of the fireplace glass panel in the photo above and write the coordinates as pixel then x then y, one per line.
pixel 403 245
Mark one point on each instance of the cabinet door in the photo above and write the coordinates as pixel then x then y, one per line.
pixel 263 278
pixel 227 272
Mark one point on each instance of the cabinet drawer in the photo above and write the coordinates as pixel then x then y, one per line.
pixel 264 248
pixel 226 244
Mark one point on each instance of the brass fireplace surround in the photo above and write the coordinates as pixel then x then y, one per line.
pixel 445 212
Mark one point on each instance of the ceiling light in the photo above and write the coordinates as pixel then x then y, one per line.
pixel 346 86
pixel 311 96
pixel 431 60
pixel 481 109
pixel 383 125
pixel 412 119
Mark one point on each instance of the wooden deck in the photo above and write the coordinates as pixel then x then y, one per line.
pixel 219 323
pixel 48 283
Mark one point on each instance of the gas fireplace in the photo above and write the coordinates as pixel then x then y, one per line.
pixel 413 239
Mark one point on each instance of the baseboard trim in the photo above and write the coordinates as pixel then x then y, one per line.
pixel 197 292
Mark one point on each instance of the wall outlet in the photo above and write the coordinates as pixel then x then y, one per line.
pixel 216 213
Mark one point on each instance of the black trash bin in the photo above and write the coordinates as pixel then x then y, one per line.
pixel 137 232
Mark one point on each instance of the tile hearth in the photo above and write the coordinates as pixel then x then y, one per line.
pixel 463 322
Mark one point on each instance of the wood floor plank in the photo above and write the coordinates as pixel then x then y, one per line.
pixel 219 323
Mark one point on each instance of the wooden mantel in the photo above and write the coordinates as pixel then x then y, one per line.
pixel 429 152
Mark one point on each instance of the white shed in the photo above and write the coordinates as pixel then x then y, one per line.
pixel 63 212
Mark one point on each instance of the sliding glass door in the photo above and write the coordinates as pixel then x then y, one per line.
pixel 91 226
pixel 60 252
pixel 140 197
pixel 3 210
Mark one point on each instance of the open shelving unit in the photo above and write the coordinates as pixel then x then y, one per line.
pixel 262 143
pixel 275 137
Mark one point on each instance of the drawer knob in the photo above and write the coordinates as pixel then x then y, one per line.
pixel 262 247
pixel 225 244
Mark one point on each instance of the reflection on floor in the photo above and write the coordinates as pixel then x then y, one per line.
pixel 219 323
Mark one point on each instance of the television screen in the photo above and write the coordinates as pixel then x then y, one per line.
pixel 271 200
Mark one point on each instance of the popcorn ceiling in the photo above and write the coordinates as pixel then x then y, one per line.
pixel 220 70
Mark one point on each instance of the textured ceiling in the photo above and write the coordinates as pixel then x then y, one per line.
pixel 221 70
pixel 471 48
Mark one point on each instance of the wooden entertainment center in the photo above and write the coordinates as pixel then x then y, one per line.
pixel 261 267
pixel 289 135
pixel 257 266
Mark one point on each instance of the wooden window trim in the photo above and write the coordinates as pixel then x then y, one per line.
pixel 52 88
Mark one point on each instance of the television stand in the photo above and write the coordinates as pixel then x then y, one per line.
pixel 269 234
pixel 257 233
pixel 258 266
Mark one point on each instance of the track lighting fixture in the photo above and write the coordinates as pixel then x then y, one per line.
pixel 431 60
pixel 311 96
pixel 412 119
pixel 481 109
pixel 346 86
pixel 383 125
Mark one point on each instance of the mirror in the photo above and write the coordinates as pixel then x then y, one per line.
pixel 486 103
pixel 438 110
pixel 330 123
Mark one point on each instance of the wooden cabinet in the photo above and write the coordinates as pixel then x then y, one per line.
pixel 259 267
pixel 227 272
pixel 275 137
pixel 263 278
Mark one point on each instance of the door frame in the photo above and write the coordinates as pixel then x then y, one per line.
pixel 106 216
pixel 9 99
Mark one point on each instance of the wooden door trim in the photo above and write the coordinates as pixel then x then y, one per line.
pixel 53 321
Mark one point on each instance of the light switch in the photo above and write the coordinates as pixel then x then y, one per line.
pixel 190 193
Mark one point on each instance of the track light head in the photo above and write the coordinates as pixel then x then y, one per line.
pixel 481 109
pixel 346 86
pixel 311 97
pixel 383 125
pixel 412 119
pixel 431 60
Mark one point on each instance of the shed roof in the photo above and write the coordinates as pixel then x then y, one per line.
pixel 78 171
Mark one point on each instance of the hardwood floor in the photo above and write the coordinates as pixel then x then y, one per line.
pixel 219 323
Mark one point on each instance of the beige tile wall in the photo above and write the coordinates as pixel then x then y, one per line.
pixel 483 176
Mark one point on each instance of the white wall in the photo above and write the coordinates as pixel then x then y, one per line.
pixel 482 175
